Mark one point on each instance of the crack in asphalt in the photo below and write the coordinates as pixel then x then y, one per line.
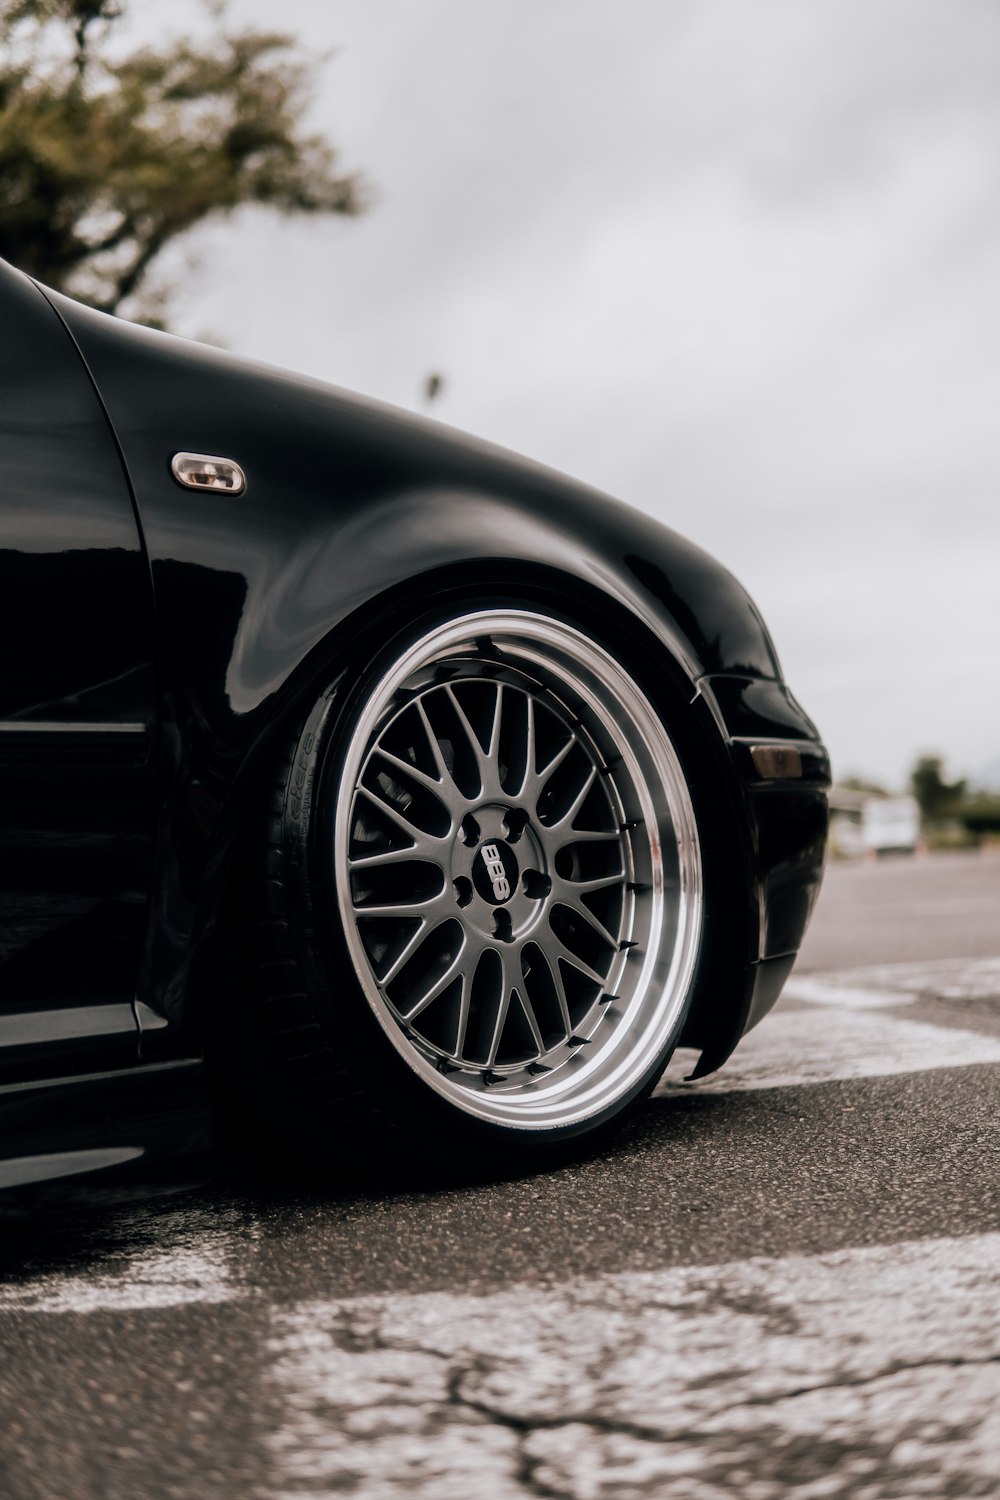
pixel 721 1445
pixel 684 1382
pixel 646 1432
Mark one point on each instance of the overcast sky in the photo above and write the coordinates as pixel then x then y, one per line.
pixel 736 263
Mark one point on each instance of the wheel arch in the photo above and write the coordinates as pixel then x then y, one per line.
pixel 730 935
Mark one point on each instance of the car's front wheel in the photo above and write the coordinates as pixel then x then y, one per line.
pixel 486 900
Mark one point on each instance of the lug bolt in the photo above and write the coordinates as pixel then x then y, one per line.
pixel 515 821
pixel 502 928
pixel 536 885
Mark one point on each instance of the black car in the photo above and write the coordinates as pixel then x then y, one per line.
pixel 431 798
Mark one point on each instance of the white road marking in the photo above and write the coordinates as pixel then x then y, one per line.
pixel 193 1268
pixel 880 985
pixel 792 1048
pixel 871 1372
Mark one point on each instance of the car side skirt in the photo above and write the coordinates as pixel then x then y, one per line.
pixel 59 1127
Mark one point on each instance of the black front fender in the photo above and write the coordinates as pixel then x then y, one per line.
pixel 353 514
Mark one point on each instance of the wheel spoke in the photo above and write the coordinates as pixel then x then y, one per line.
pixel 530 744
pixel 569 889
pixel 405 908
pixel 535 779
pixel 424 843
pixel 576 962
pixel 434 746
pixel 408 952
pixel 494 745
pixel 530 787
pixel 433 784
pixel 555 974
pixel 486 760
pixel 455 968
pixel 566 821
pixel 529 1015
pixel 361 862
pixel 464 1005
pixel 502 1009
pixel 546 771
pixel 570 893
pixel 591 836
pixel 605 934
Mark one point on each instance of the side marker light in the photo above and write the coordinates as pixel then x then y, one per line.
pixel 198 471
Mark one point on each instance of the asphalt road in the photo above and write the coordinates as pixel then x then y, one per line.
pixel 780 1282
pixel 904 910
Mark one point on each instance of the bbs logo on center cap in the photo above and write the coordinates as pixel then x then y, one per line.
pixel 494 873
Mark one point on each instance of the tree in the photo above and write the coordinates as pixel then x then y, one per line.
pixel 981 814
pixel 106 159
pixel 937 797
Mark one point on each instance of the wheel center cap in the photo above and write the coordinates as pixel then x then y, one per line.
pixel 494 871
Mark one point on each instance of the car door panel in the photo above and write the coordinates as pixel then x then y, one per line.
pixel 77 709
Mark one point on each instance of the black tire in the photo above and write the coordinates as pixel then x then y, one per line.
pixel 491 814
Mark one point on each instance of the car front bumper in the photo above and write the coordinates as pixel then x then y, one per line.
pixel 780 776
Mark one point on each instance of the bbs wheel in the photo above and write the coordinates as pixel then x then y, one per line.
pixel 500 839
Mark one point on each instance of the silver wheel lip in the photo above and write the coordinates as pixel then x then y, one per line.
pixel 585 1088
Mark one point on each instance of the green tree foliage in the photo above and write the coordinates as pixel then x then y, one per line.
pixel 108 156
pixel 938 798
pixel 981 814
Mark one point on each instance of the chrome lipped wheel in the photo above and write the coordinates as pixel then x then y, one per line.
pixel 518 870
